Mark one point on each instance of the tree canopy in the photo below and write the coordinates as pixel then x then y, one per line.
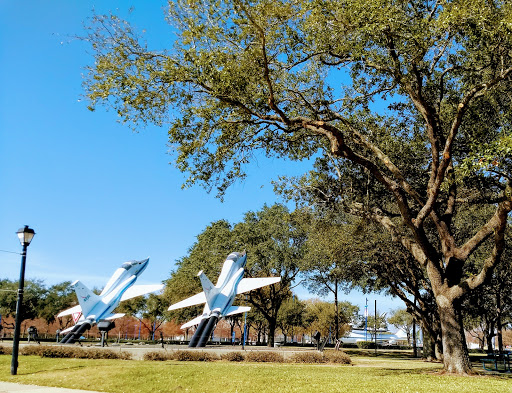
pixel 274 245
pixel 412 95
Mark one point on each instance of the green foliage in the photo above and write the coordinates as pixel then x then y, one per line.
pixel 58 298
pixel 411 97
pixel 366 344
pixel 378 322
pixel 321 316
pixel 274 240
pixel 291 315
pixel 33 298
pixel 39 301
pixel 488 310
pixel 273 243
pixel 208 253
pixel 401 319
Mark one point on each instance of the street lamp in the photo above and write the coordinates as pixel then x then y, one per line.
pixel 25 235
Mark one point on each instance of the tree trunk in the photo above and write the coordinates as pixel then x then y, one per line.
pixel 489 334
pixel 438 348
pixel 455 351
pixel 271 331
pixel 499 327
pixel 336 311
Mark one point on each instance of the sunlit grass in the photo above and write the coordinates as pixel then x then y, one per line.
pixel 367 375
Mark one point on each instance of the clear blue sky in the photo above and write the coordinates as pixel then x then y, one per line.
pixel 96 193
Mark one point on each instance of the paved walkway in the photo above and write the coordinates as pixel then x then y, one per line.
pixel 8 387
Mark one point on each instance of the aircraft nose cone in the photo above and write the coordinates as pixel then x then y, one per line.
pixel 136 266
pixel 142 264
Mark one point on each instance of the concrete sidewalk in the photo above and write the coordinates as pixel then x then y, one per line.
pixel 8 387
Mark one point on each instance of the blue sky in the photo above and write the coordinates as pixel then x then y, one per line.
pixel 96 193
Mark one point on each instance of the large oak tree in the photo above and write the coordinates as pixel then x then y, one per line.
pixel 296 78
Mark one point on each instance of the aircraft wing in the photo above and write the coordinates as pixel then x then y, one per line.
pixel 70 311
pixel 199 298
pixel 192 322
pixel 248 284
pixel 114 316
pixel 139 290
pixel 233 310
pixel 62 332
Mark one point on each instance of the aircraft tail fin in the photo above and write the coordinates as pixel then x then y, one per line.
pixel 86 298
pixel 209 289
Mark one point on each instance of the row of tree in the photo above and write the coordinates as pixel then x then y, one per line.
pixel 325 253
pixel 39 300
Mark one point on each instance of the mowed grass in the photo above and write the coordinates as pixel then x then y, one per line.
pixel 366 375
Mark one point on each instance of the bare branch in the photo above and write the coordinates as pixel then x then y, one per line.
pixel 494 224
pixel 266 71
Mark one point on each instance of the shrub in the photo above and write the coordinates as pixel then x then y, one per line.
pixel 339 357
pixel 307 357
pixel 61 352
pixel 31 350
pixel 264 356
pixel 366 344
pixel 46 351
pixel 5 350
pixel 158 356
pixel 233 357
pixel 106 354
pixel 193 356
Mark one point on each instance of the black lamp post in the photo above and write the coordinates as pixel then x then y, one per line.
pixel 25 235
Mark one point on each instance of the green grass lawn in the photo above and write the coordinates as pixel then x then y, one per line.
pixel 366 375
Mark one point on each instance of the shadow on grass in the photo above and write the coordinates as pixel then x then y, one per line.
pixel 52 370
pixel 381 353
pixel 390 372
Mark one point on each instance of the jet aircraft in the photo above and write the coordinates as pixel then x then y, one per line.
pixel 219 298
pixel 98 308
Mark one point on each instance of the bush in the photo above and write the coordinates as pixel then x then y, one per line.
pixel 106 354
pixel 31 350
pixel 264 356
pixel 233 357
pixel 158 356
pixel 193 356
pixel 5 350
pixel 46 351
pixel 339 357
pixel 60 352
pixel 307 357
pixel 366 344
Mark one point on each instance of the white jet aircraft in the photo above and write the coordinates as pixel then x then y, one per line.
pixel 98 308
pixel 219 298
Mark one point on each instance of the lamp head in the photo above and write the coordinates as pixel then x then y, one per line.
pixel 25 235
